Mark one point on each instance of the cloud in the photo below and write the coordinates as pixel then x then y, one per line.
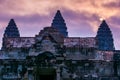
pixel 115 20
pixel 114 4
pixel 31 24
pixel 92 20
pixel 44 7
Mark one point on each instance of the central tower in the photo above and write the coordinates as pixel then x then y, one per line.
pixel 59 24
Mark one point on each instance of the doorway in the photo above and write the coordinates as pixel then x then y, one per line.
pixel 47 77
pixel 46 74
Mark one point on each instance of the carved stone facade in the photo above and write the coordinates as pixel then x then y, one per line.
pixel 51 55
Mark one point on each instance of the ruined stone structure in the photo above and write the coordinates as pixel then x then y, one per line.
pixel 52 55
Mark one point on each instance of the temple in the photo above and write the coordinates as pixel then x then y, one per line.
pixel 59 24
pixel 104 36
pixel 53 55
pixel 11 30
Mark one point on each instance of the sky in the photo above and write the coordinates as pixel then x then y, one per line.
pixel 82 17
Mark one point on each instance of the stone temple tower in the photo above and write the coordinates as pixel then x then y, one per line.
pixel 104 37
pixel 11 30
pixel 59 24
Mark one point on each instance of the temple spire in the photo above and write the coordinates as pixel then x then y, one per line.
pixel 11 30
pixel 59 24
pixel 104 37
pixel 11 23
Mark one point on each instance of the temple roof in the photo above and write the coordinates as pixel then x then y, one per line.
pixel 103 24
pixel 87 42
pixel 53 32
pixel 104 36
pixel 58 14
pixel 12 23
pixel 11 29
pixel 59 24
pixel 19 42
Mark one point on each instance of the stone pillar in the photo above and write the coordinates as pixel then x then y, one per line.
pixel 58 74
pixel 30 74
pixel 1 67
pixel 30 77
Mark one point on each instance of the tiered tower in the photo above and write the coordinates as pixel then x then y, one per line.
pixel 59 24
pixel 104 37
pixel 12 30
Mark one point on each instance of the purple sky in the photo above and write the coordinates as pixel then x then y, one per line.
pixel 82 17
